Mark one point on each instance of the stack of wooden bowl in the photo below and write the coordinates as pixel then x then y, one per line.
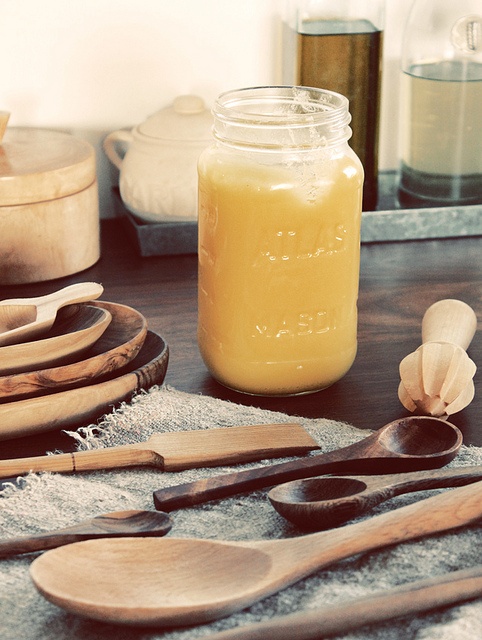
pixel 90 357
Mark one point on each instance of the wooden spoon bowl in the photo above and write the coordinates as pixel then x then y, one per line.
pixel 328 501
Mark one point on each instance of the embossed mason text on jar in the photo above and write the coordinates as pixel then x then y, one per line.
pixel 279 241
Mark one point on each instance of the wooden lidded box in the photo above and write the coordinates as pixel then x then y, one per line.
pixel 49 205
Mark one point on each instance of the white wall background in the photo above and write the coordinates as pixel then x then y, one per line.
pixel 92 66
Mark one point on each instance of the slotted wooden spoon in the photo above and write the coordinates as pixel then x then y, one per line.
pixel 23 319
pixel 436 379
pixel 171 582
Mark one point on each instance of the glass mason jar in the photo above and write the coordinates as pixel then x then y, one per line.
pixel 441 97
pixel 280 195
pixel 338 46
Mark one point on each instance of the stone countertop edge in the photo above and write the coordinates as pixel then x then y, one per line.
pixel 419 224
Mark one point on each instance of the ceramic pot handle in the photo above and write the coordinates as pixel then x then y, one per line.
pixel 110 145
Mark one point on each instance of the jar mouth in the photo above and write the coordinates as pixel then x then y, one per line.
pixel 294 115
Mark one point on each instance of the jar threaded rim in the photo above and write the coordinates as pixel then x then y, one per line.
pixel 282 116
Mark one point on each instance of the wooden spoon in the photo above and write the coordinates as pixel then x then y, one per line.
pixel 173 451
pixel 436 379
pixel 328 501
pixel 408 444
pixel 22 319
pixel 336 619
pixel 109 525
pixel 171 582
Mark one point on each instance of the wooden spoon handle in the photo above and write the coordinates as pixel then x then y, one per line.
pixel 38 542
pixel 449 510
pixel 79 292
pixel 449 321
pixel 91 460
pixel 410 599
pixel 354 457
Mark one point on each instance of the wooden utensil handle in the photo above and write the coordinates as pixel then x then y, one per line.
pixel 354 458
pixel 91 460
pixel 39 542
pixel 78 292
pixel 449 510
pixel 412 598
pixel 449 321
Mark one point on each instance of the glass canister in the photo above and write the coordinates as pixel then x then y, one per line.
pixel 441 91
pixel 280 195
pixel 338 46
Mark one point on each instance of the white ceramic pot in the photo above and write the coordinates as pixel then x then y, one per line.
pixel 158 173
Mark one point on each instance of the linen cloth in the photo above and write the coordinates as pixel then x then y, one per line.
pixel 50 500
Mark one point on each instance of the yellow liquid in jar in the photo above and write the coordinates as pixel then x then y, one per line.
pixel 278 273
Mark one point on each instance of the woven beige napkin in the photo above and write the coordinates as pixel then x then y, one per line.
pixel 45 501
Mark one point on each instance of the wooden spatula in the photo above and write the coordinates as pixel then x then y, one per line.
pixel 436 379
pixel 178 450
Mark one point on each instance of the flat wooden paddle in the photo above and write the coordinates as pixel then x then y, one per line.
pixel 174 451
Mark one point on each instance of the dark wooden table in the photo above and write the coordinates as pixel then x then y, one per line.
pixel 398 282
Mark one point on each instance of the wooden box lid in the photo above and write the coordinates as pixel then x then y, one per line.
pixel 37 165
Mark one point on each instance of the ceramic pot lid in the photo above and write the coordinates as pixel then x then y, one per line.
pixel 38 165
pixel 186 119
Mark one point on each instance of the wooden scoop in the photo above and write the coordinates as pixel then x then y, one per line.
pixel 23 319
pixel 328 501
pixel 172 582
pixel 108 525
pixel 436 379
pixel 174 451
